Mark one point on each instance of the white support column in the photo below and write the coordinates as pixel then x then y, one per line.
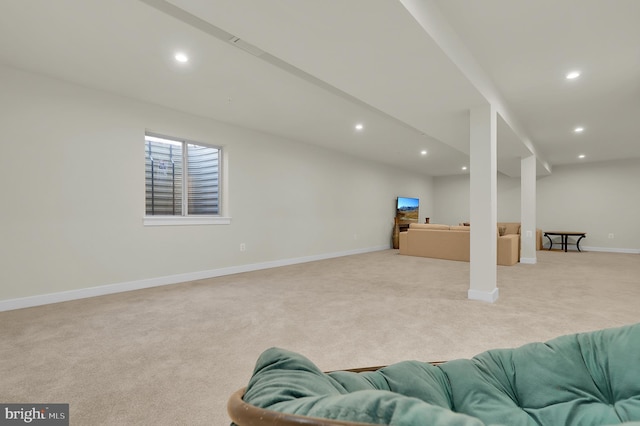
pixel 483 204
pixel 528 210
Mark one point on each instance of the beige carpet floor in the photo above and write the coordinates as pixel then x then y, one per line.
pixel 173 355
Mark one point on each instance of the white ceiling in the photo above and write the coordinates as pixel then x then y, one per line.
pixel 323 66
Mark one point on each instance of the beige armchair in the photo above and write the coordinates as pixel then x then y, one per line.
pixel 513 228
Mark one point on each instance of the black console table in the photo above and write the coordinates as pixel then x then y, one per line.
pixel 564 238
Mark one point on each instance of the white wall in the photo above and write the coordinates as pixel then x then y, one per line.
pixel 596 198
pixel 451 200
pixel 72 172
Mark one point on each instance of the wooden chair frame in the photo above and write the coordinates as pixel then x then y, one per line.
pixel 244 414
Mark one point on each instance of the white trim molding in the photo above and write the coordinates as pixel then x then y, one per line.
pixel 83 293
pixel 529 260
pixel 611 250
pixel 545 247
pixel 484 296
pixel 185 220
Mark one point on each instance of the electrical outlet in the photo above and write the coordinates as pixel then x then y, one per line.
pixel 243 247
pixel 611 236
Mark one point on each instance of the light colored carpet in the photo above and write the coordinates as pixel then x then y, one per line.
pixel 173 355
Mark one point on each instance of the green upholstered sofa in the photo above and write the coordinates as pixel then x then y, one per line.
pixel 590 378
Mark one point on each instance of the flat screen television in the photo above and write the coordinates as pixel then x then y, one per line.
pixel 407 210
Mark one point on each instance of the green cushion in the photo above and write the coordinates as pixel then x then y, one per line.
pixel 582 379
pixel 288 382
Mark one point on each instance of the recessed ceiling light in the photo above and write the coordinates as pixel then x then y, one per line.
pixel 181 57
pixel 464 167
pixel 423 152
pixel 578 129
pixel 573 74
pixel 359 126
pixel 581 156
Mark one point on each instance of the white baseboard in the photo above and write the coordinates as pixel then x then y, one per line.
pixel 599 249
pixel 610 250
pixel 64 296
pixel 483 296
pixel 529 260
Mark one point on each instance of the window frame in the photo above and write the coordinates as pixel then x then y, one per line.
pixel 185 219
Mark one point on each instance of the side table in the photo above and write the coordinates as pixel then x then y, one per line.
pixel 564 238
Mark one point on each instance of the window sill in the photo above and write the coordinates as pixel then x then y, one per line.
pixel 185 220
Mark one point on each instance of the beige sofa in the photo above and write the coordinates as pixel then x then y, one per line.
pixel 452 243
